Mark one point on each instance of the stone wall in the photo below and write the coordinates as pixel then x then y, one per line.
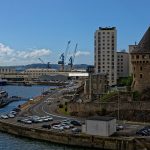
pixel 91 107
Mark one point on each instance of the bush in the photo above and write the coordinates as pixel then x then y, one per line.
pixel 136 95
pixel 61 106
pixel 126 81
pixel 103 111
pixel 65 109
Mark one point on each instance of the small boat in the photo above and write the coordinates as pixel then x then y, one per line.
pixel 3 94
pixel 27 84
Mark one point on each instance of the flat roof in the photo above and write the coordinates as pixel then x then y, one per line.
pixel 101 118
pixel 107 28
pixel 78 74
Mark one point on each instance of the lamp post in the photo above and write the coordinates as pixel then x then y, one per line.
pixel 118 112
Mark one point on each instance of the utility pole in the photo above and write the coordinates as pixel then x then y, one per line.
pixel 118 106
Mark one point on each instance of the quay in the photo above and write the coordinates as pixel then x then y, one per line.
pixel 9 100
pixel 82 140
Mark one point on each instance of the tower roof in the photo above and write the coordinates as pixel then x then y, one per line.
pixel 144 44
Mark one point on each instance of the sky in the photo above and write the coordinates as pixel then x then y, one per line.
pixel 32 29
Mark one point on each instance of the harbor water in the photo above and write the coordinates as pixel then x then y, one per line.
pixel 11 142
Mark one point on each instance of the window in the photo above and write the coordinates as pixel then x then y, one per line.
pixel 140 75
pixel 137 56
pixel 140 68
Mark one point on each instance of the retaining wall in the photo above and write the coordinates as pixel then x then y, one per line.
pixel 112 143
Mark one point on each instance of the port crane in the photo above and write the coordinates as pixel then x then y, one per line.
pixel 71 59
pixel 48 64
pixel 63 57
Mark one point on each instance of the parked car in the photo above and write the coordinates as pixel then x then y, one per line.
pixel 58 127
pixel 11 115
pixel 46 126
pixel 119 127
pixel 4 116
pixel 13 112
pixel 75 123
pixel 56 123
pixel 76 130
pixel 144 131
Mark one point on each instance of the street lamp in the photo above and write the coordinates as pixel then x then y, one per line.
pixel 118 112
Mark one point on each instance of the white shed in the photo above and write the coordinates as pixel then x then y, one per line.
pixel 100 125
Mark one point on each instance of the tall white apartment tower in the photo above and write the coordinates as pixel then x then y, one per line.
pixel 106 53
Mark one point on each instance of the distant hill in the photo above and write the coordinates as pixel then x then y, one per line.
pixel 53 66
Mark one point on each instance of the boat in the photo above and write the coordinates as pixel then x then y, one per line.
pixel 7 100
pixel 3 94
pixel 3 82
pixel 4 99
pixel 27 84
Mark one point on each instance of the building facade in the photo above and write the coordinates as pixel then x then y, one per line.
pixel 6 70
pixel 96 85
pixel 140 59
pixel 101 126
pixel 105 46
pixel 122 64
pixel 131 48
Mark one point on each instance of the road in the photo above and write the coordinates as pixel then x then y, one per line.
pixel 48 105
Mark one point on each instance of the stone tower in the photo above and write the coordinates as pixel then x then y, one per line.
pixel 140 59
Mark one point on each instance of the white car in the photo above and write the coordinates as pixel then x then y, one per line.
pixel 13 112
pixel 4 116
pixel 58 127
pixel 50 118
pixel 11 115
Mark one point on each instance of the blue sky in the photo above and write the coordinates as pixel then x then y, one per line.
pixel 41 28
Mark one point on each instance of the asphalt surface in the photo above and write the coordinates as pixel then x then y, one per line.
pixel 48 105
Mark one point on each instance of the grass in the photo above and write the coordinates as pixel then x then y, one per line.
pixel 62 111
pixel 108 96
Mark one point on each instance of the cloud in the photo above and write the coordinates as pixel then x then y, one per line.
pixel 5 50
pixel 8 55
pixel 33 53
pixel 82 53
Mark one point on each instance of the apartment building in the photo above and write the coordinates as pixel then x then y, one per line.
pixel 105 46
pixel 122 64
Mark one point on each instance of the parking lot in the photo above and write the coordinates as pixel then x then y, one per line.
pixel 44 122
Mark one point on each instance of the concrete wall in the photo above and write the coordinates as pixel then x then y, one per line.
pixel 94 127
pixel 112 143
